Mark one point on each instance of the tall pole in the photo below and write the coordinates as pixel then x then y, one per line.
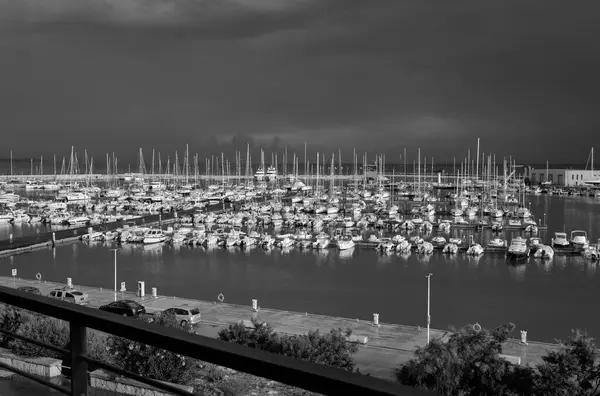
pixel 115 250
pixel 428 304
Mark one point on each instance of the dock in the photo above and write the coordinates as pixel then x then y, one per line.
pixel 388 346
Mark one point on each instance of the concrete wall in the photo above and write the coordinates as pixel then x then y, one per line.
pixel 100 379
pixel 42 366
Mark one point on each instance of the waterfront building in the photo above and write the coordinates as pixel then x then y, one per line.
pixel 565 177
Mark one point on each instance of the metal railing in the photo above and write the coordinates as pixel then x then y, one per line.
pixel 309 376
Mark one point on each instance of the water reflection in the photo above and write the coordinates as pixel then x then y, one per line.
pixel 347 254
pixel 384 257
pixel 473 261
pixel 517 271
pixel 590 269
pixel 153 250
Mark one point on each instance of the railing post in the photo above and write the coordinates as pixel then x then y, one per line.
pixel 79 367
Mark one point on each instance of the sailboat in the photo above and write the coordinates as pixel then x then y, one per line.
pixel 546 182
pixel 594 181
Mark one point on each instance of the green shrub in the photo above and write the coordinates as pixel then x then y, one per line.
pixel 43 329
pixel 10 320
pixel 330 349
pixel 149 361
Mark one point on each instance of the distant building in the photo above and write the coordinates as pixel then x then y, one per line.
pixel 564 177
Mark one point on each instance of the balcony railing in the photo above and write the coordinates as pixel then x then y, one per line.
pixel 309 376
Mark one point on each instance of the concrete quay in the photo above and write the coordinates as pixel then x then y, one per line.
pixel 388 346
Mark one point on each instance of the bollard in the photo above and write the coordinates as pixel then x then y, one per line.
pixel 523 337
pixel 254 305
pixel 10 238
pixel 376 319
pixel 141 289
pixel 154 292
pixel 69 282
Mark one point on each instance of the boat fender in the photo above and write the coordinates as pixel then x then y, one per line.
pixel 221 297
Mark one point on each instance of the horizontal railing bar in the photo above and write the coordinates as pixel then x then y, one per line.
pixel 35 342
pixel 155 383
pixel 35 378
pixel 313 377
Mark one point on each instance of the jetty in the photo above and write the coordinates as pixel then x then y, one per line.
pixel 382 346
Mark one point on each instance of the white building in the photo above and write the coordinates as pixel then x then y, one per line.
pixel 564 177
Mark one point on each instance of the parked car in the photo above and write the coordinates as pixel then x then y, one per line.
pixel 184 314
pixel 70 295
pixel 125 308
pixel 29 289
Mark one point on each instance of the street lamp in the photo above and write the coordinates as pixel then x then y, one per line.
pixel 115 250
pixel 428 303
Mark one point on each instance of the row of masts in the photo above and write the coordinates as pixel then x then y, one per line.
pixel 241 168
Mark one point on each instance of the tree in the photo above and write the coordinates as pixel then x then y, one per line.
pixel 149 361
pixel 467 364
pixel 331 349
pixel 573 370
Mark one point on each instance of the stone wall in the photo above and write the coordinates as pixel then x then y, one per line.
pixel 42 366
pixel 100 379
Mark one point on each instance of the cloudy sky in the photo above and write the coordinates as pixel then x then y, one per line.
pixel 117 75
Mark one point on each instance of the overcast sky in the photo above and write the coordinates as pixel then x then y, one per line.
pixel 377 75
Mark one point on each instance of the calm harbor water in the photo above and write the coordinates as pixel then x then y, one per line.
pixel 546 298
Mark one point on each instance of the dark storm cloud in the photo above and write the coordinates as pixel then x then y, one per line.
pixel 114 75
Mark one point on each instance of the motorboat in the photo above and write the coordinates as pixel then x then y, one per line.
pixel 497 243
pixel 345 243
pixel 544 251
pixel 560 240
pixel 518 248
pixel 425 248
pixel 404 246
pixel 579 239
pixel 386 245
pixel 438 240
pixel 475 249
pixel 450 248
pixel 154 236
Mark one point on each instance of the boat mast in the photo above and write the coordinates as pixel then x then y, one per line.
pixel 419 172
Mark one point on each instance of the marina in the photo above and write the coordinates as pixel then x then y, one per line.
pixel 332 247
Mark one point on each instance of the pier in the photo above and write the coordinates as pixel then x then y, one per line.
pixel 388 345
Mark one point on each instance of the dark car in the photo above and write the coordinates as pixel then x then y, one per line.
pixel 125 308
pixel 30 289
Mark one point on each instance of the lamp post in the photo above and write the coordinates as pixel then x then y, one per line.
pixel 115 250
pixel 428 303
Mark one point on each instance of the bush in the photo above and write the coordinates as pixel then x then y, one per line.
pixel 44 329
pixel 330 349
pixel 10 320
pixel 149 361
